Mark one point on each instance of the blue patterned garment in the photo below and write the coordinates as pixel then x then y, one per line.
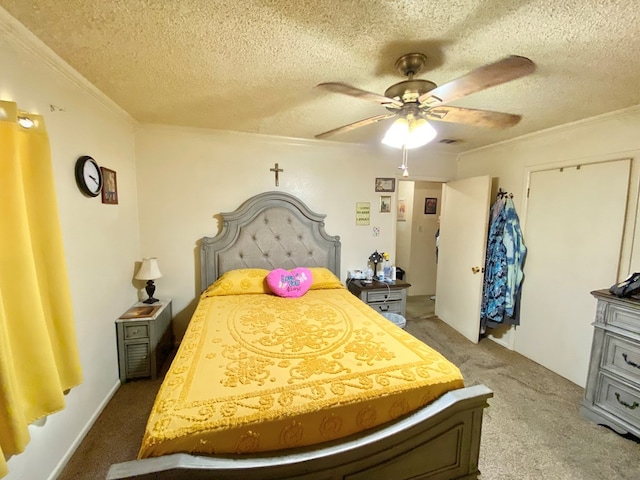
pixel 495 268
pixel 516 252
pixel 503 267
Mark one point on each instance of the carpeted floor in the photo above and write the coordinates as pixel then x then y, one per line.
pixel 532 429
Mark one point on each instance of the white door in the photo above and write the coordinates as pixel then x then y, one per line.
pixel 573 232
pixel 464 220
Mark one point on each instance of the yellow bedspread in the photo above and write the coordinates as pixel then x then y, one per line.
pixel 256 372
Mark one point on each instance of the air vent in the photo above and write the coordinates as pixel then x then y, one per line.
pixel 449 140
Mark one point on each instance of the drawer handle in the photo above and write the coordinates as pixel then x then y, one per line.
pixel 625 404
pixel 624 355
pixel 384 308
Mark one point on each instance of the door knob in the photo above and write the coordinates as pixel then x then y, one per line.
pixel 477 269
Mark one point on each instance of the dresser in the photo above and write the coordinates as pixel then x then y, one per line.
pixel 612 394
pixel 381 296
pixel 144 343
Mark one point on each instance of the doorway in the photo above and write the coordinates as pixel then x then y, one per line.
pixel 416 235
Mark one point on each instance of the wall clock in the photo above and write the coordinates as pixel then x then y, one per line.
pixel 88 176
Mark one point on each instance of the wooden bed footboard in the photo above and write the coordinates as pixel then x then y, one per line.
pixel 439 441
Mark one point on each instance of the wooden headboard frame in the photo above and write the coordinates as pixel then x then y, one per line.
pixel 270 230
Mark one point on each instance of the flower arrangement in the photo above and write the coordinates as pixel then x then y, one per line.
pixel 375 258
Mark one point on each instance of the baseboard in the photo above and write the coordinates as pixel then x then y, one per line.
pixel 499 341
pixel 76 443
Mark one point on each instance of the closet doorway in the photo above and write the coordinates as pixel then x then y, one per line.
pixel 573 232
pixel 416 234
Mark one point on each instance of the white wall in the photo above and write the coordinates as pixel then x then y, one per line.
pixel 101 241
pixel 188 176
pixel 606 137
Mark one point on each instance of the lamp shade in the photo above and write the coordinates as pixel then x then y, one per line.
pixel 149 269
pixel 420 133
pixel 409 132
pixel 397 134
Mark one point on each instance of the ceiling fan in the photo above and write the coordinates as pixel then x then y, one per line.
pixel 414 101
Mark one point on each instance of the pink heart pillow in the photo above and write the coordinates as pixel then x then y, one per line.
pixel 290 283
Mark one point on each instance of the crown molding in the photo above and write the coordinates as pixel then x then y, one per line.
pixel 603 117
pixel 261 138
pixel 21 37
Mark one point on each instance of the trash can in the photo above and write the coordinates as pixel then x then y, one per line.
pixel 399 273
pixel 396 318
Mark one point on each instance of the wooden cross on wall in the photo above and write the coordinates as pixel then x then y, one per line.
pixel 276 170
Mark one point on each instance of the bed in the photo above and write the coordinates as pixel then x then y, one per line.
pixel 434 422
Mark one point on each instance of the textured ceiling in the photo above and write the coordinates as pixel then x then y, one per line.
pixel 252 65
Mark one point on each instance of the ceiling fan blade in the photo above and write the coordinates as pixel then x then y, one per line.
pixel 469 116
pixel 354 125
pixel 338 87
pixel 502 71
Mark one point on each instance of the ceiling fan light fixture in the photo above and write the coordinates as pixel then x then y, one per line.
pixel 397 134
pixel 409 132
pixel 421 132
pixel 415 100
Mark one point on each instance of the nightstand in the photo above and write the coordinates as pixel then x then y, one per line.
pixel 144 342
pixel 381 296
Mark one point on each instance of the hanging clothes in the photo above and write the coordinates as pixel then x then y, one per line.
pixel 516 252
pixel 503 266
pixel 495 268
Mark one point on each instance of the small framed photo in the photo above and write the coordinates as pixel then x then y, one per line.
pixel 385 204
pixel 109 186
pixel 385 184
pixel 402 210
pixel 430 206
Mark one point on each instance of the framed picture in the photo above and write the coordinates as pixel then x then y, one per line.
pixel 430 206
pixel 402 210
pixel 385 184
pixel 385 204
pixel 140 312
pixel 109 186
pixel 363 213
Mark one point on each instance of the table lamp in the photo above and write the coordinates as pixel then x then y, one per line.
pixel 149 271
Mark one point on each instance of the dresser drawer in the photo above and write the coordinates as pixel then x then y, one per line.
pixel 382 295
pixel 622 357
pixel 619 399
pixel 389 307
pixel 623 317
pixel 137 330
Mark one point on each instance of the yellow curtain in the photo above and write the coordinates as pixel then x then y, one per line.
pixel 38 349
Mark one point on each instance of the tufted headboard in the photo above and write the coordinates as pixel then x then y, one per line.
pixel 270 230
